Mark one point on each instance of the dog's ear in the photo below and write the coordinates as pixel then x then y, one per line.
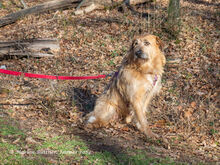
pixel 133 44
pixel 159 43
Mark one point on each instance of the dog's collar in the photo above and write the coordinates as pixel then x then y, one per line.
pixel 116 74
pixel 155 80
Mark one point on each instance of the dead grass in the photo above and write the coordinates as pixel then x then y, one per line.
pixel 187 110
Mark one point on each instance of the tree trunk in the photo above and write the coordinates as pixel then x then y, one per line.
pixel 174 10
pixel 173 19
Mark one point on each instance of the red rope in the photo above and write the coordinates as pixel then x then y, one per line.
pixel 10 72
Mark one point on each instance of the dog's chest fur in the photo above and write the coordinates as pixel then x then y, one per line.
pixel 155 80
pixel 133 85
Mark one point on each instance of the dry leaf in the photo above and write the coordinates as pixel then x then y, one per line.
pixel 124 128
pixel 193 104
pixel 160 123
pixel 16 141
pixel 4 92
pixel 30 140
pixel 188 113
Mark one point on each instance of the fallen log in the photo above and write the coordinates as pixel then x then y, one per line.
pixel 31 47
pixel 87 5
pixel 90 5
pixel 51 5
pixel 135 2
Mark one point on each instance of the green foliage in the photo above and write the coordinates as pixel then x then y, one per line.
pixel 213 131
pixel 140 157
pixel 1 6
pixel 114 53
pixel 11 153
pixel 9 130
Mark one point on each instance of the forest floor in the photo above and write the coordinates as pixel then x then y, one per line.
pixel 41 121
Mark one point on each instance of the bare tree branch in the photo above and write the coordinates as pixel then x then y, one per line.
pixel 51 5
pixel 24 4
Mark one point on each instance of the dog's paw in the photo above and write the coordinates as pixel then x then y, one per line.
pixel 92 119
pixel 92 123
pixel 128 119
pixel 150 134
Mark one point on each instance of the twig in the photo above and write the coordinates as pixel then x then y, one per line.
pixel 81 3
pixel 17 104
pixel 24 4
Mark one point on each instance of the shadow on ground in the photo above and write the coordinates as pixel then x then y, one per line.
pixel 82 98
pixel 112 139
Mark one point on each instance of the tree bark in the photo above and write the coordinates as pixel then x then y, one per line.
pixel 135 2
pixel 173 20
pixel 51 5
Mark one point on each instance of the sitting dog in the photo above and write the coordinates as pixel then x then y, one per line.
pixel 132 87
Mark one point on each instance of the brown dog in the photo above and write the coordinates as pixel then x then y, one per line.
pixel 133 86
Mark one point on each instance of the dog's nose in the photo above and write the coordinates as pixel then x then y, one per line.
pixel 138 53
pixel 141 54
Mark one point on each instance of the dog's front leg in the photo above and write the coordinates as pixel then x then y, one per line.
pixel 141 118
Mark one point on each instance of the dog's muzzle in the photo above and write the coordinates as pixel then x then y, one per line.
pixel 141 54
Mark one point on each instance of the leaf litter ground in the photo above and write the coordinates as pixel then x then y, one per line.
pixel 186 112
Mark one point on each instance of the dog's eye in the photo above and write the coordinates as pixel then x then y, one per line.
pixel 146 43
pixel 135 43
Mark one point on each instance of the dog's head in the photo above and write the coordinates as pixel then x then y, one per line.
pixel 146 53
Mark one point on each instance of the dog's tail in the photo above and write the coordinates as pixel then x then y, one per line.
pixel 104 113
